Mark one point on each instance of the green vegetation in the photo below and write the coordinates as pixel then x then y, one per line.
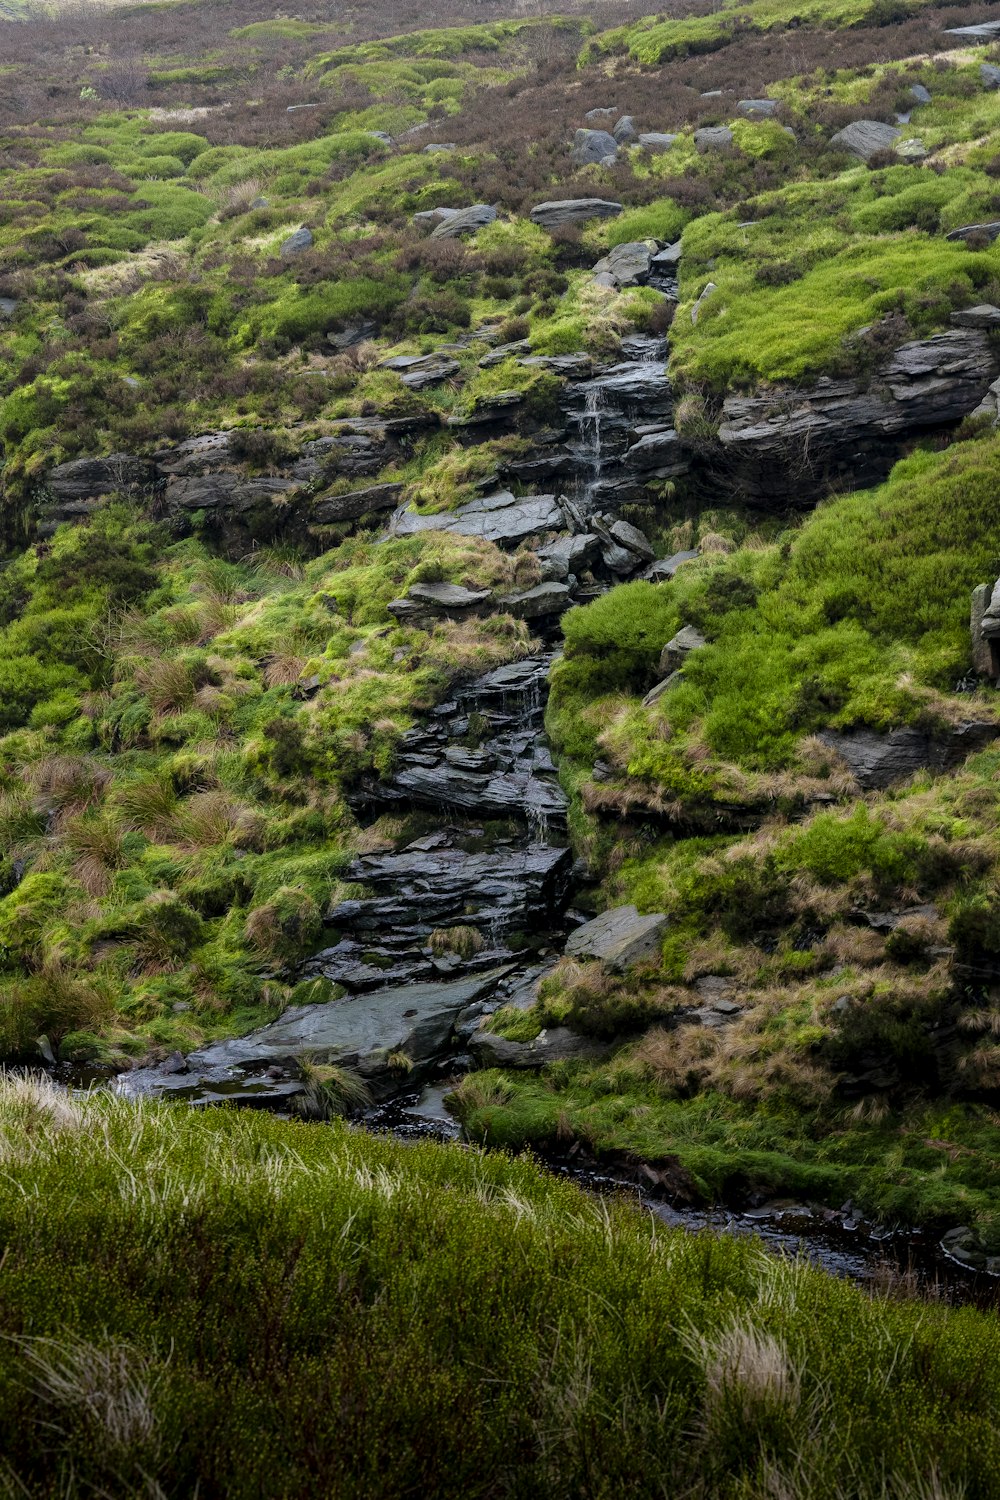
pixel 429 1318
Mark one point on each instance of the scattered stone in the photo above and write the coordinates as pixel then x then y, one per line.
pixel 665 568
pixel 625 131
pixel 431 217
pixel 713 138
pixel 558 1044
pixel 297 243
pixel 865 139
pixel 592 146
pixel 702 299
pixel 600 116
pixel 661 689
pixel 669 258
pixel 465 221
pixel 540 602
pixel 989 75
pixel 919 94
pixel 629 264
pixel 759 109
pixel 632 539
pixel 677 650
pixel 420 370
pixel 618 938
pixel 988 231
pixel 435 150
pixel 573 211
pixel 382 137
pixel 656 140
pixel 911 150
pixel 354 334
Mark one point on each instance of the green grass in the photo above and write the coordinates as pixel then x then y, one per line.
pixel 428 1319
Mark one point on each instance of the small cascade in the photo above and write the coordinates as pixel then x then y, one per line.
pixel 608 413
pixel 595 402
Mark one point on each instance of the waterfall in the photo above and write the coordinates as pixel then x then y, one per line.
pixel 590 436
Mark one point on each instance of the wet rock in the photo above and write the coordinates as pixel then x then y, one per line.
pixel 656 140
pixel 569 555
pixel 592 146
pixel 865 139
pixel 557 1044
pixel 632 539
pixel 658 452
pixel 987 232
pixel 759 109
pixel 499 518
pixel 713 138
pixel 879 760
pixel 354 504
pixel 628 265
pixel 676 652
pixel 964 1245
pixel 618 938
pixel 465 221
pixel 573 211
pixel 297 243
pixel 624 131
pixel 359 1033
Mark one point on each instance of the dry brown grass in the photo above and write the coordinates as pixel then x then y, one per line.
pixel 66 785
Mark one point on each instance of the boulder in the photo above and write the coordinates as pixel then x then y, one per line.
pixel 297 243
pixel 658 453
pixel 573 211
pixel 665 568
pixel 632 539
pixel 989 76
pixel 759 109
pixel 592 146
pixel 879 760
pixel 713 138
pixel 919 94
pixel 628 265
pixel 435 149
pixel 601 116
pixel 985 648
pixel 541 602
pixel 499 518
pixel 985 315
pixel 703 297
pixel 569 556
pixel 865 139
pixel 625 132
pixel 988 232
pixel 618 938
pixel 352 335
pixel 446 598
pixel 465 221
pixel 656 140
pixel 557 1044
pixel 8 307
pixel 667 259
pixel 656 693
pixel 677 650
pixel 429 218
pixel 420 370
pixel 911 150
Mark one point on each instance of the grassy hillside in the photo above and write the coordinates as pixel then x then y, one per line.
pixel 233 1303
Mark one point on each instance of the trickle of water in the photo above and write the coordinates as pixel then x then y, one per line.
pixel 590 436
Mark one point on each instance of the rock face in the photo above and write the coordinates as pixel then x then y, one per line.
pixel 987 232
pixel 297 243
pixel 573 211
pixel 75 488
pixel 619 938
pixel 865 139
pixel 499 518
pixel 593 146
pixel 784 446
pixel 879 760
pixel 464 221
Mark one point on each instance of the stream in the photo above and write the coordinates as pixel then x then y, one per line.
pixel 470 907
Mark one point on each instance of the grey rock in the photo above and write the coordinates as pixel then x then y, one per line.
pixel 706 292
pixel 436 149
pixel 354 334
pixel 569 555
pixel 233 493
pixel 661 689
pixel 573 211
pixel 359 1033
pixel 759 109
pixel 656 140
pixel 624 131
pixel 919 94
pixel 93 478
pixel 557 1044
pixel 985 315
pixel 8 307
pixel 988 231
pixel 629 264
pixel 964 1245
pixel 865 139
pixel 540 602
pixel 297 243
pixel 669 258
pixel 601 116
pixel 502 406
pixel 354 504
pixel 879 760
pixel 989 75
pixel 431 217
pixel 465 221
pixel 591 146
pixel 605 279
pixel 499 518
pixel 447 598
pixel 911 150
pixel 618 938
pixel 665 568
pixel 677 650
pixel 632 539
pixel 984 31
pixel 418 371
pixel 660 452
pixel 713 138
pixel 985 651
pixel 382 136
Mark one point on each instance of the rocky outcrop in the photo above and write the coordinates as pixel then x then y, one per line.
pixel 619 938
pixel 630 264
pixel 72 490
pixel 786 446
pixel 879 760
pixel 464 221
pixel 865 139
pixel 759 109
pixel 502 518
pixel 985 631
pixel 297 243
pixel 556 1044
pixel 573 211
pixel 656 140
pixel 984 233
pixel 713 138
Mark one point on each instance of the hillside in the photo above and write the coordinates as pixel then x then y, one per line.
pixel 499 518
